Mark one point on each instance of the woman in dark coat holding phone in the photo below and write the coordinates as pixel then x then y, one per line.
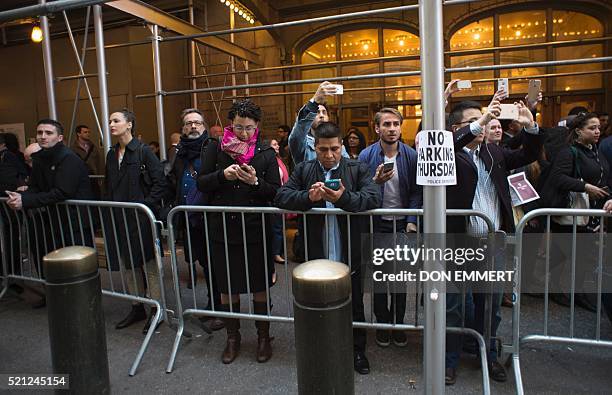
pixel 133 174
pixel 238 170
pixel 577 168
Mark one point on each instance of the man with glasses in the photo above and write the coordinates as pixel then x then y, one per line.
pixel 182 183
pixel 482 169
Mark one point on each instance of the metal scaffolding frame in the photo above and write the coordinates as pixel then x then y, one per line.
pixel 432 65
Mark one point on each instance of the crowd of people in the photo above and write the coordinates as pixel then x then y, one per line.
pixel 314 165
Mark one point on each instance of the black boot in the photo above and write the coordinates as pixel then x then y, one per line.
pixel 232 326
pixel 150 319
pixel 137 314
pixel 264 346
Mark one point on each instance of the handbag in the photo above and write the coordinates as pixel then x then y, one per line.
pixel 577 200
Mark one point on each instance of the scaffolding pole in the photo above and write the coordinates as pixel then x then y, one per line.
pixel 48 64
pixel 434 197
pixel 44 8
pixel 192 58
pixel 101 62
pixel 159 98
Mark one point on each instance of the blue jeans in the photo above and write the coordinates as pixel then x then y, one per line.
pixel 277 235
pixel 474 311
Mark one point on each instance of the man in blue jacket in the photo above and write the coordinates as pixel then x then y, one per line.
pixel 397 183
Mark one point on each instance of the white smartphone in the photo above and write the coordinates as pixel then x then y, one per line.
pixel 464 84
pixel 339 89
pixel 534 90
pixel 502 85
pixel 508 111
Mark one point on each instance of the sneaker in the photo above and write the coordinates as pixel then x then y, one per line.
pixel 399 338
pixel 382 337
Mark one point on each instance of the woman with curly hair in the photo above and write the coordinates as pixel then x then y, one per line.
pixel 239 170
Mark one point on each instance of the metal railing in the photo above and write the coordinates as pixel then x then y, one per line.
pixel 125 235
pixel 187 300
pixel 548 215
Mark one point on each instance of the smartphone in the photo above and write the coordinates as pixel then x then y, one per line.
pixel 464 84
pixel 339 89
pixel 388 166
pixel 502 85
pixel 534 90
pixel 333 184
pixel 508 111
pixel 562 123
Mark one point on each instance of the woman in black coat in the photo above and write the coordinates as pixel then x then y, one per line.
pixel 133 174
pixel 239 171
pixel 577 168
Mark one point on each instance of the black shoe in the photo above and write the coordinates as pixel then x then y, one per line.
pixel 497 372
pixel 560 299
pixel 40 303
pixel 149 320
pixel 137 314
pixel 362 366
pixel 584 302
pixel 450 376
pixel 382 337
pixel 399 338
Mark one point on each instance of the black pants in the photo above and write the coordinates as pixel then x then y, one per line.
pixel 359 334
pixel 390 307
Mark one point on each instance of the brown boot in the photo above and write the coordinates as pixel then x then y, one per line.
pixel 232 326
pixel 264 348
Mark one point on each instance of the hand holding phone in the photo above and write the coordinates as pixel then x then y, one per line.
pixel 502 85
pixel 388 166
pixel 333 184
pixel 339 89
pixel 464 84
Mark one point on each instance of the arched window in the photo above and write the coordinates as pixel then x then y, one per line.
pixel 529 27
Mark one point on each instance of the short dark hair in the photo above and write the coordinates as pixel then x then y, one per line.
pixel 78 129
pixel 456 114
pixel 327 130
pixel 246 109
pixel 602 114
pixel 48 121
pixel 154 143
pixel 577 110
pixel 130 117
pixel 285 128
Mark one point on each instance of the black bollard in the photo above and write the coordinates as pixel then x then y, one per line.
pixel 323 327
pixel 76 323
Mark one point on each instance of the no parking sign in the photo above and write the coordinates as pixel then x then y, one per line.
pixel 436 158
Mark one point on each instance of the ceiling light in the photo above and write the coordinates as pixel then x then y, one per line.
pixel 517 33
pixel 476 36
pixel 227 3
pixel 240 12
pixel 37 34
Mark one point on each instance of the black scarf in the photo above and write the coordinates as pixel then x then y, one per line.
pixel 189 149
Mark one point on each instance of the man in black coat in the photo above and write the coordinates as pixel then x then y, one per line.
pixel 184 168
pixel 357 192
pixel 58 174
pixel 482 171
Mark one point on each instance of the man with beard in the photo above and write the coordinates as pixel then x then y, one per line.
pixel 392 165
pixel 182 183
pixel 302 138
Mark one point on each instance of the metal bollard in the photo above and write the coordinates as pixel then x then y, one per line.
pixel 323 327
pixel 76 323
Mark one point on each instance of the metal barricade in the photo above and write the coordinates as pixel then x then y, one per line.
pixel 187 300
pixel 125 236
pixel 545 336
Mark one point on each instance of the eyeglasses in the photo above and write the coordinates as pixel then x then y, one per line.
pixel 193 123
pixel 248 129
